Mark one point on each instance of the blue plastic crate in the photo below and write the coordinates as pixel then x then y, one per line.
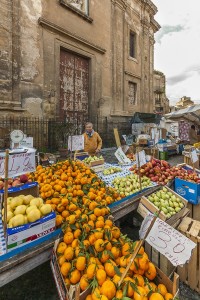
pixel 188 190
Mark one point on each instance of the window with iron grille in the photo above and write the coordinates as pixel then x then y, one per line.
pixel 132 93
pixel 132 44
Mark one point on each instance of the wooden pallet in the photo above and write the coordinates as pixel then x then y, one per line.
pixel 194 211
pixel 190 273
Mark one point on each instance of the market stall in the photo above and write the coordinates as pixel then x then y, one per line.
pixel 87 202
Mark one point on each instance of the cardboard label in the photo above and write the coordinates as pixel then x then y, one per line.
pixel 140 158
pixel 194 157
pixel 168 241
pixel 122 158
pixel 19 163
pixel 76 142
pixel 27 142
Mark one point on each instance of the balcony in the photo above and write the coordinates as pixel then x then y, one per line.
pixel 159 89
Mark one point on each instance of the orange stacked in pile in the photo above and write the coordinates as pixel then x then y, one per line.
pixel 93 251
pixel 69 185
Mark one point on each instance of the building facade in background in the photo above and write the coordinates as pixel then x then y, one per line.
pixel 161 102
pixel 184 102
pixel 74 59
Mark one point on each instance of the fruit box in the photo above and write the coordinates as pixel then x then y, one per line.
pixel 31 188
pixel 172 286
pixel 96 163
pixel 145 206
pixel 25 234
pixel 63 292
pixel 189 190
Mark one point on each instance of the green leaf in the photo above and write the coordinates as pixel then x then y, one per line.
pixel 73 227
pixel 117 271
pixel 134 287
pixel 126 298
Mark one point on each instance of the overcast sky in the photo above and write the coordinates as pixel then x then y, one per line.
pixel 177 48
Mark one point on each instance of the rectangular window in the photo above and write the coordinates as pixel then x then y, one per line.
pixel 132 45
pixel 80 4
pixel 132 93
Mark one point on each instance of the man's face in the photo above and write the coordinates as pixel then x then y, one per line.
pixel 88 128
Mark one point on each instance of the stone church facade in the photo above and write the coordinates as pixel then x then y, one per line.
pixel 74 59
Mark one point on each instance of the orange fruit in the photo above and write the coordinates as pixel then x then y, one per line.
pixel 156 296
pixel 101 276
pixel 162 289
pixel 69 253
pixel 65 268
pixel 75 276
pixel 108 289
pixel 151 271
pixel 68 238
pixel 81 263
pixel 84 283
pixel 169 296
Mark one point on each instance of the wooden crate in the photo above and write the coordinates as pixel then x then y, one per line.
pixel 159 260
pixel 194 211
pixel 187 161
pixel 190 273
pixel 145 206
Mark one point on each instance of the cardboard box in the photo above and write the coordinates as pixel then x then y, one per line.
pixel 31 188
pixel 188 190
pixel 25 234
pixel 63 292
pixel 143 142
pixel 145 206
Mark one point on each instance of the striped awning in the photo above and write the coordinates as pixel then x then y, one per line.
pixel 191 114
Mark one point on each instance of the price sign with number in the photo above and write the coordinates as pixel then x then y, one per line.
pixel 168 241
pixel 19 163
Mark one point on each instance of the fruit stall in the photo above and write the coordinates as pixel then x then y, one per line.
pixel 69 211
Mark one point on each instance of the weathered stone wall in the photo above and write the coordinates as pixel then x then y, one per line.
pixel 30 44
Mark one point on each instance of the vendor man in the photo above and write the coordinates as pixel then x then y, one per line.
pixel 92 140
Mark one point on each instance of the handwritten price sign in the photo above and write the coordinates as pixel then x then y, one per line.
pixel 168 241
pixel 18 164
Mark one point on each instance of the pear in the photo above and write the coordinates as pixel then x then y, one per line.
pixel 16 201
pixel 27 199
pixel 36 201
pixel 33 215
pixel 21 209
pixel 45 209
pixel 29 208
pixel 17 220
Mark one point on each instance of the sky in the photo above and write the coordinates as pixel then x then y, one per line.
pixel 177 47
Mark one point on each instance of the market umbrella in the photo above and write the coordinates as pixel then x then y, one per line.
pixel 191 114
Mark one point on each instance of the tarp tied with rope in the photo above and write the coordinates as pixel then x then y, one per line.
pixel 191 114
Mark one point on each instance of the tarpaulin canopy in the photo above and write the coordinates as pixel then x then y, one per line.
pixel 146 118
pixel 191 114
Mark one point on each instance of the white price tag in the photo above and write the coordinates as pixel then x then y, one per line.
pixel 122 158
pixel 194 156
pixel 19 163
pixel 168 241
pixel 140 158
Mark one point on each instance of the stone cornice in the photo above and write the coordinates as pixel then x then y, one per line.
pixel 132 74
pixel 48 24
pixel 121 3
pixel 155 25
